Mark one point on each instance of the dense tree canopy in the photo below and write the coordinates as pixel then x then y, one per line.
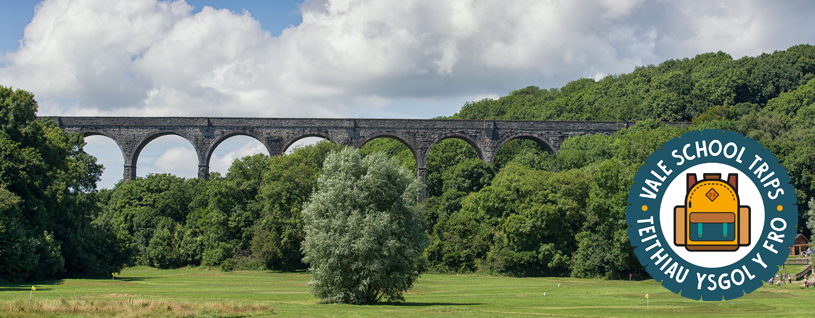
pixel 47 200
pixel 675 90
pixel 248 219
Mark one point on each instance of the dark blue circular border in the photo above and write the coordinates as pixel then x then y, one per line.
pixel 688 288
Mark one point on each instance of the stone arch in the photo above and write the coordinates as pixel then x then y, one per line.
pixel 425 153
pixel 540 140
pixel 478 149
pixel 111 173
pixel 89 133
pixel 143 142
pixel 392 136
pixel 211 148
pixel 294 139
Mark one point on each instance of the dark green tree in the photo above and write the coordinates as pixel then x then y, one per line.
pixel 47 185
pixel 288 182
pixel 442 156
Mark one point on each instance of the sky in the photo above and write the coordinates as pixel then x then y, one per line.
pixel 346 58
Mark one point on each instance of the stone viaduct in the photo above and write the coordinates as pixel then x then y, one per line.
pixel 132 134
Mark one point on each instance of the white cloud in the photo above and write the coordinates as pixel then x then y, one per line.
pixel 156 58
pixel 182 161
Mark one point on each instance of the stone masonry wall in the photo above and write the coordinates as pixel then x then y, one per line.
pixel 132 134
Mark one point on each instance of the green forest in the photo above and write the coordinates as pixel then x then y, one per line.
pixel 532 213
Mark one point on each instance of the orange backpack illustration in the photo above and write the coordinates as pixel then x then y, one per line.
pixel 712 219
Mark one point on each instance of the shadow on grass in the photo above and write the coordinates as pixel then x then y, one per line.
pixel 21 288
pixel 134 279
pixel 6 286
pixel 424 304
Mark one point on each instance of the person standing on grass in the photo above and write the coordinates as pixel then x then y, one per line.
pixel 778 284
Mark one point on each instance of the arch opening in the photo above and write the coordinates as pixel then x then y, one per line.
pixel 302 141
pixel 392 146
pixel 230 148
pixel 166 153
pixel 448 139
pixel 445 156
pixel 521 146
pixel 107 153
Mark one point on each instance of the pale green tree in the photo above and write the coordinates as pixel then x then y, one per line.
pixel 364 236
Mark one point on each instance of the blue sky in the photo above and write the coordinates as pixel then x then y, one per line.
pixel 346 58
pixel 273 15
pixel 13 18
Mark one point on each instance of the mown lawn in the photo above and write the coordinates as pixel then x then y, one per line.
pixel 792 269
pixel 148 292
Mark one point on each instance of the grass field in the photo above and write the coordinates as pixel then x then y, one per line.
pixel 148 292
pixel 792 269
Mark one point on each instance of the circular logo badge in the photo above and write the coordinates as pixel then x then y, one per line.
pixel 712 215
